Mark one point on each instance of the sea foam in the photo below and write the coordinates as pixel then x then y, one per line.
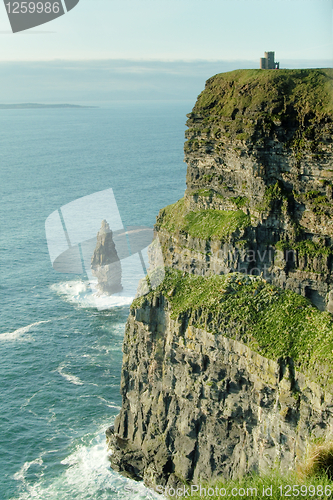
pixel 20 332
pixel 86 475
pixel 84 294
pixel 68 376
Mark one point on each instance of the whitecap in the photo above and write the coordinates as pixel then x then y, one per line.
pixel 20 332
pixel 68 376
pixel 21 474
pixel 72 291
pixel 84 294
pixel 86 475
pixel 110 404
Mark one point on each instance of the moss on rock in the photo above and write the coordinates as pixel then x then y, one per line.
pixel 240 103
pixel 273 322
pixel 205 224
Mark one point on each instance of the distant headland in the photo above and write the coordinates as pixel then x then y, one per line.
pixel 33 105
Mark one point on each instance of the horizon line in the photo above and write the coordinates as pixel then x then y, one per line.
pixel 156 60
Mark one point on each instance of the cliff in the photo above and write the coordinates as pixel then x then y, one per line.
pixel 227 364
pixel 259 182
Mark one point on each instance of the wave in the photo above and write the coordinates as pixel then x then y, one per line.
pixel 21 474
pixel 86 475
pixel 84 294
pixel 20 332
pixel 110 404
pixel 68 376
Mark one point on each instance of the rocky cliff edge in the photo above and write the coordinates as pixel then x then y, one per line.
pixel 227 364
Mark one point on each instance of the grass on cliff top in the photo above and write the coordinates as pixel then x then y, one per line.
pixel 273 322
pixel 205 224
pixel 275 486
pixel 255 90
pixel 234 104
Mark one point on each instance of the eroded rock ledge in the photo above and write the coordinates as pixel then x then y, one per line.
pixel 228 373
pixel 197 404
pixel 259 144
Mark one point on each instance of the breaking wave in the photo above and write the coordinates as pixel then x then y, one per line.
pixel 86 475
pixel 84 294
pixel 19 334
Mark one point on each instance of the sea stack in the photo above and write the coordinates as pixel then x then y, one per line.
pixel 105 263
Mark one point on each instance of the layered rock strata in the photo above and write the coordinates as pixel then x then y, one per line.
pixel 209 389
pixel 261 143
pixel 198 405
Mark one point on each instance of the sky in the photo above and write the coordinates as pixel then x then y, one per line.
pixel 177 30
pixel 156 49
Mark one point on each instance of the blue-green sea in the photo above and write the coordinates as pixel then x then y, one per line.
pixel 61 357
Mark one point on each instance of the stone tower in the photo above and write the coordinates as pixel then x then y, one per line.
pixel 268 62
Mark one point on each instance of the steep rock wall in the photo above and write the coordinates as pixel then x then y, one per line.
pixel 261 142
pixel 208 397
pixel 197 405
pixel 105 263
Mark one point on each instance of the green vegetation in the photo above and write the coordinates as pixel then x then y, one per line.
pixel 205 224
pixel 319 203
pixel 283 245
pixel 240 201
pixel 243 136
pixel 172 216
pixel 273 322
pixel 242 103
pixel 320 461
pixel 311 195
pixel 312 249
pixel 274 196
pixel 305 247
pixel 207 177
pixel 215 224
pixel 316 201
pixel 274 192
pixel 275 486
pixel 207 193
pixel 313 479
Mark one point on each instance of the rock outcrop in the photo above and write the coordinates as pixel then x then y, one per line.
pixel 105 263
pixel 198 405
pixel 221 376
pixel 227 373
pixel 261 143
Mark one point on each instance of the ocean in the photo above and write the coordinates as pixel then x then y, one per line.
pixel 60 353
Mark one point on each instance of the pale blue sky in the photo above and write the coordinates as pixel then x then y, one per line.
pixel 177 30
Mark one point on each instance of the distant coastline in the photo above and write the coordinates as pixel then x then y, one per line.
pixel 32 105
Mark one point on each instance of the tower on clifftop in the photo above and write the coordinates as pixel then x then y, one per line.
pixel 268 62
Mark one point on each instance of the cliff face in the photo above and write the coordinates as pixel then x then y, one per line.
pixel 260 143
pixel 226 372
pixel 207 384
